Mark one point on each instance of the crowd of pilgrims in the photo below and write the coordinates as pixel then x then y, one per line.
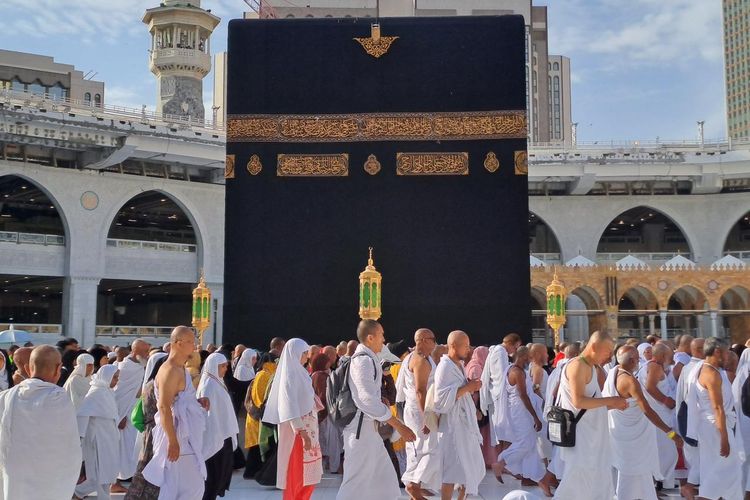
pixel 164 422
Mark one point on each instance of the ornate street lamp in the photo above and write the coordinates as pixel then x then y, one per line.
pixel 370 290
pixel 556 295
pixel 201 308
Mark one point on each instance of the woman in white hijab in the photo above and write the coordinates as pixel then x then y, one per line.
pixel 291 405
pixel 220 437
pixel 645 353
pixel 245 371
pixel 79 382
pixel 743 421
pixel 97 425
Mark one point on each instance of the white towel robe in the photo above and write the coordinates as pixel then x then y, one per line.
pixel 588 465
pixel 743 421
pixel 100 443
pixel 666 447
pixel 458 436
pixel 634 451
pixel 691 453
pixel 40 451
pixel 491 393
pixel 126 392
pixel 368 471
pixel 423 461
pixel 721 477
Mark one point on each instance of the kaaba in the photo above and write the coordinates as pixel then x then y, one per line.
pixel 408 136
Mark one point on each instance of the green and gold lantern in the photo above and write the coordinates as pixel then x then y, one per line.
pixel 370 290
pixel 556 295
pixel 201 308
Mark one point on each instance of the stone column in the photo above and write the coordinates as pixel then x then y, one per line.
pixel 663 316
pixel 714 323
pixel 641 325
pixel 652 324
pixel 79 308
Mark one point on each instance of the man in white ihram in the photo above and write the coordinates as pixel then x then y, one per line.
pixel 459 438
pixel 40 451
pixel 369 473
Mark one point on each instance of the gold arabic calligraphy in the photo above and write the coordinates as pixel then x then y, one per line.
pixel 432 163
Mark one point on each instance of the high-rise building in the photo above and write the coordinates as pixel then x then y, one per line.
pixel 560 114
pixel 737 67
pixel 535 18
pixel 180 55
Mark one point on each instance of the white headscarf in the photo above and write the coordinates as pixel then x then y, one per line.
pixel 292 394
pixel 642 352
pixel 244 371
pixel 222 421
pixel 82 361
pixel 100 400
pixel 4 373
pixel 150 367
pixel 742 373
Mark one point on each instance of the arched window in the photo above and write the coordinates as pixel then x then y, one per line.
pixel 290 16
pixel 98 100
pixel 556 66
pixel 36 88
pixel 87 97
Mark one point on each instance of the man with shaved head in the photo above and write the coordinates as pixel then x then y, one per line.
pixel 417 374
pixel 40 451
pixel 127 392
pixel 692 453
pixel 493 382
pixel 538 358
pixel 522 457
pixel 588 465
pixel 660 394
pixel 277 345
pixel 458 431
pixel 682 355
pixel 21 360
pixel 178 465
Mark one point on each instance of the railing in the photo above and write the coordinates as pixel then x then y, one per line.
pixel 68 105
pixel 548 258
pixel 32 238
pixel 647 257
pixel 133 331
pixel 661 145
pixel 49 328
pixel 151 245
pixel 742 255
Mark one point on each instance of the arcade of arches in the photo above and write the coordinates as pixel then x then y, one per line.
pixel 635 302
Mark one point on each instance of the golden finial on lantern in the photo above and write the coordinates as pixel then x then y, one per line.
pixel 556 295
pixel 370 291
pixel 201 307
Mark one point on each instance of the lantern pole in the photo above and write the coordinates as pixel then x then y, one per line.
pixel 370 291
pixel 201 307
pixel 556 313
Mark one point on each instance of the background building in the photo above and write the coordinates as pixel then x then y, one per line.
pixel 737 67
pixel 560 91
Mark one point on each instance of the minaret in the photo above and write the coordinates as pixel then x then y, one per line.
pixel 180 55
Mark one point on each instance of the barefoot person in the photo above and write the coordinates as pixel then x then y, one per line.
pixel 459 438
pixel 522 456
pixel 414 379
pixel 368 471
pixel 40 451
pixel 493 380
pixel 97 425
pixel 178 466
pixel 587 471
pixel 633 431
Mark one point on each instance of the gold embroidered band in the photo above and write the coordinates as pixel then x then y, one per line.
pixel 432 163
pixel 309 165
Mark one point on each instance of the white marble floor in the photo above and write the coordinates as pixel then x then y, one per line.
pixel 327 489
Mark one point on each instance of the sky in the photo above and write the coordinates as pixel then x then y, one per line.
pixel 641 69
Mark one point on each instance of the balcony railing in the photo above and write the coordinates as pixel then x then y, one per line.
pixel 646 257
pixel 151 245
pixel 47 328
pixel 133 331
pixel 742 255
pixel 548 258
pixel 32 238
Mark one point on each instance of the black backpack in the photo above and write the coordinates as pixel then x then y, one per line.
pixel 745 397
pixel 339 401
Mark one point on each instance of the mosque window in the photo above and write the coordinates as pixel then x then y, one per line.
pixel 556 66
pixel 87 97
pixel 36 88
pixel 98 100
pixel 57 92
pixel 17 85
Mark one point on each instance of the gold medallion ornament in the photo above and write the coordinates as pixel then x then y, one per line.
pixel 254 166
pixel 304 165
pixel 376 45
pixel 491 163
pixel 229 167
pixel 432 164
pixel 372 165
pixel 522 163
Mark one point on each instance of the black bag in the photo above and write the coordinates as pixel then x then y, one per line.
pixel 339 402
pixel 561 425
pixel 682 418
pixel 745 397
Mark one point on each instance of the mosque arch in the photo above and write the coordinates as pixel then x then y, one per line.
pixel 688 297
pixel 542 237
pixel 28 207
pixel 738 235
pixel 643 229
pixel 639 297
pixel 735 298
pixel 590 297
